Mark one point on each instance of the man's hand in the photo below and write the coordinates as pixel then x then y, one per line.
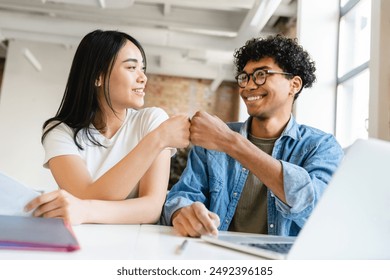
pixel 195 220
pixel 210 132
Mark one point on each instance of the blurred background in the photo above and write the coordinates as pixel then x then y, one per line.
pixel 189 47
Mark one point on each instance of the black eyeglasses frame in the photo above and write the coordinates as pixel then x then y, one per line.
pixel 266 73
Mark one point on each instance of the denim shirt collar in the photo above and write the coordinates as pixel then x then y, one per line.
pixel 291 130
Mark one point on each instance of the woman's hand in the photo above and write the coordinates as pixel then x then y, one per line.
pixel 176 131
pixel 58 204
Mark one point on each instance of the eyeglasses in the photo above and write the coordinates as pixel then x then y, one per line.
pixel 259 76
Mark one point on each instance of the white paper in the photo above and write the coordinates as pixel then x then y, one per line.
pixel 14 196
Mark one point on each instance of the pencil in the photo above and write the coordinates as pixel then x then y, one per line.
pixel 181 247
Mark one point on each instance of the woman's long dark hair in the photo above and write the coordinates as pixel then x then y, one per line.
pixel 94 57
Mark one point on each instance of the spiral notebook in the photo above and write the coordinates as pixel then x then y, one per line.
pixel 32 233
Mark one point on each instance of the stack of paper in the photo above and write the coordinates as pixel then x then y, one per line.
pixel 14 196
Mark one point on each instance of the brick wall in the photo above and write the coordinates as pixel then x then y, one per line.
pixel 184 95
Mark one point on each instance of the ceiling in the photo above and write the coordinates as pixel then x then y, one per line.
pixel 190 38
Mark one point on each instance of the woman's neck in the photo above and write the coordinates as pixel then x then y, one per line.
pixel 109 122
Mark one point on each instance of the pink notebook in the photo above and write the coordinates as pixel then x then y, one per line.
pixel 31 233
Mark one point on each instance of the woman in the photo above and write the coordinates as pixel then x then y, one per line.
pixel 110 158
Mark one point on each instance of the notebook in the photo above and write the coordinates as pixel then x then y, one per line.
pixel 351 220
pixel 32 233
pixel 19 230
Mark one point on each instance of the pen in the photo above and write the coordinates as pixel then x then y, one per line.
pixel 181 247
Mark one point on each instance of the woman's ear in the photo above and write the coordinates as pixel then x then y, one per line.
pixel 296 85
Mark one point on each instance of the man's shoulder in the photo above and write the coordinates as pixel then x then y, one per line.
pixel 307 131
pixel 311 129
pixel 312 136
pixel 236 126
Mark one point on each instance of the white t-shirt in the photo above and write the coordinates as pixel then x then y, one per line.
pixel 137 124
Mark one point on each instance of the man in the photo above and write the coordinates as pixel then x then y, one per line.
pixel 265 175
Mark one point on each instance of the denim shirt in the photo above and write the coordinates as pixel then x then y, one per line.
pixel 309 157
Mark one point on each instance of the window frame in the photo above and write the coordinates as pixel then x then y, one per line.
pixel 355 71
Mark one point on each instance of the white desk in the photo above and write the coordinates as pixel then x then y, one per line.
pixel 120 242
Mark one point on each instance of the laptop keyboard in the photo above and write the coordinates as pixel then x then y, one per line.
pixel 282 248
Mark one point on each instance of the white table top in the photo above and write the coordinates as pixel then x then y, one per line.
pixel 106 249
pixel 138 242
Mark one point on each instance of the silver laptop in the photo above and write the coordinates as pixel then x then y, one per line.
pixel 351 220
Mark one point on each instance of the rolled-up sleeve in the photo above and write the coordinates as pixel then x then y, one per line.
pixel 305 183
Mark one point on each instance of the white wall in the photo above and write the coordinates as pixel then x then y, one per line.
pixel 379 110
pixel 317 31
pixel 27 99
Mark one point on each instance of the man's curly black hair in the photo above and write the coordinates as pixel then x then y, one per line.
pixel 286 52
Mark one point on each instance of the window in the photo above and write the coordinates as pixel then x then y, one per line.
pixel 353 71
pixel 352 108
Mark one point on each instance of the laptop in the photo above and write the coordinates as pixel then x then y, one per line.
pixel 351 220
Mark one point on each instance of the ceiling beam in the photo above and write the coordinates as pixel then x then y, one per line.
pixel 223 5
pixel 12 23
pixel 167 9
pixel 256 20
pixel 185 38
pixel 180 19
pixel 102 4
pixel 32 59
pixel 110 4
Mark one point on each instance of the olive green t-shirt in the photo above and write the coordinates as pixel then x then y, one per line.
pixel 251 211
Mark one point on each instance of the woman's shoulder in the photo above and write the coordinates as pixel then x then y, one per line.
pixel 148 113
pixel 146 119
pixel 152 111
pixel 58 127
